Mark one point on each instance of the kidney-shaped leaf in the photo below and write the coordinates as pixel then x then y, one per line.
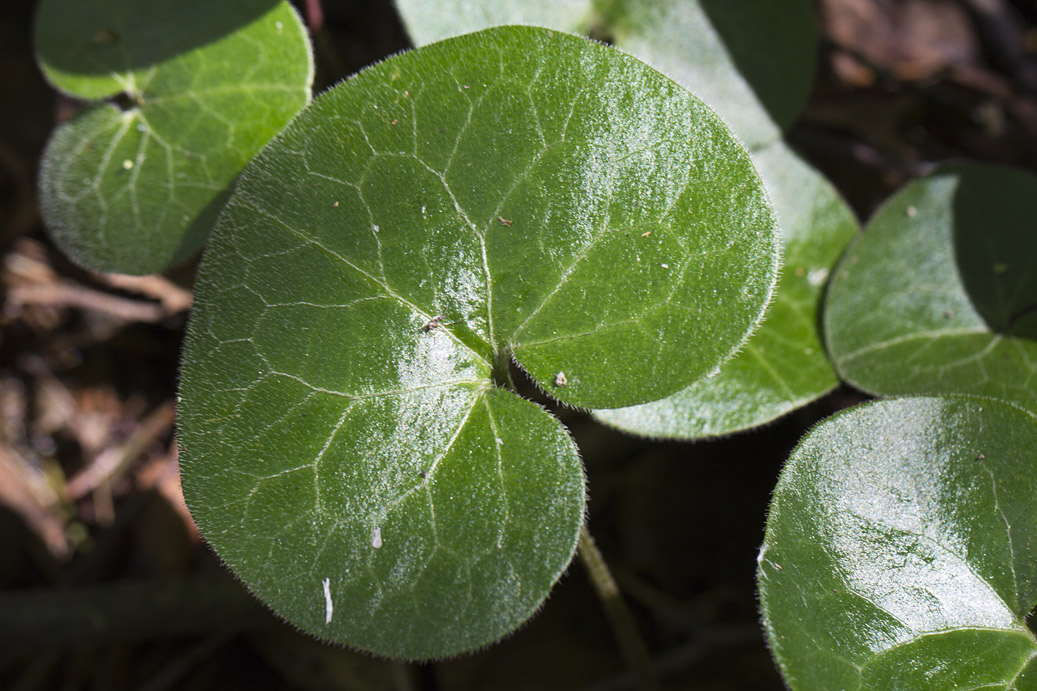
pixel 135 187
pixel 933 296
pixel 783 365
pixel 752 61
pixel 901 549
pixel 512 193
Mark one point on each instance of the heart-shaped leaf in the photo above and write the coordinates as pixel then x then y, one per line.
pixel 752 61
pixel 514 193
pixel 934 296
pixel 136 187
pixel 901 549
pixel 783 365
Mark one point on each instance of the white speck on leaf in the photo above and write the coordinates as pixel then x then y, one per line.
pixel 376 538
pixel 127 164
pixel 817 276
pixel 561 379
pixel 329 608
pixel 911 212
pixel 665 266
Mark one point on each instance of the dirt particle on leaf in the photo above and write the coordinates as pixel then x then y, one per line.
pixel 504 220
pixel 911 212
pixel 646 233
pixel 335 205
pixel 433 323
pixel 561 379
pixel 394 121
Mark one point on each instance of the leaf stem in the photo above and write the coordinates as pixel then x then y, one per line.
pixel 502 370
pixel 620 618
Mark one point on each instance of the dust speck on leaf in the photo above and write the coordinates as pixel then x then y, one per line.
pixel 911 212
pixel 504 220
pixel 817 276
pixel 561 379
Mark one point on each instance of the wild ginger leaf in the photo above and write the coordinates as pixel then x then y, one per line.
pixel 135 186
pixel 901 549
pixel 515 193
pixel 923 301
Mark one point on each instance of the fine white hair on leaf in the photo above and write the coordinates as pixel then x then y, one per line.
pixel 329 608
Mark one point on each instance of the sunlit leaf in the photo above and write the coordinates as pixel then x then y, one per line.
pixel 901 549
pixel 347 446
pixel 937 295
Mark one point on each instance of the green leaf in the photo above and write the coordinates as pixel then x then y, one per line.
pixel 901 549
pixel 429 21
pixel 905 310
pixel 135 188
pixel 514 193
pixel 783 365
pixel 752 61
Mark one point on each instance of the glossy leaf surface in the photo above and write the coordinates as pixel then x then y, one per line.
pixel 937 296
pixel 512 193
pixel 752 61
pixel 901 549
pixel 783 365
pixel 135 186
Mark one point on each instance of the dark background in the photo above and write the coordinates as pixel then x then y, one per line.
pixel 105 583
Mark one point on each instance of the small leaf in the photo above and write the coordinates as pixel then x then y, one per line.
pixel 783 365
pixel 344 447
pixel 136 187
pixel 899 316
pixel 901 549
pixel 752 61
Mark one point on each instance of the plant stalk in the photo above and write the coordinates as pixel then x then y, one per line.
pixel 620 618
